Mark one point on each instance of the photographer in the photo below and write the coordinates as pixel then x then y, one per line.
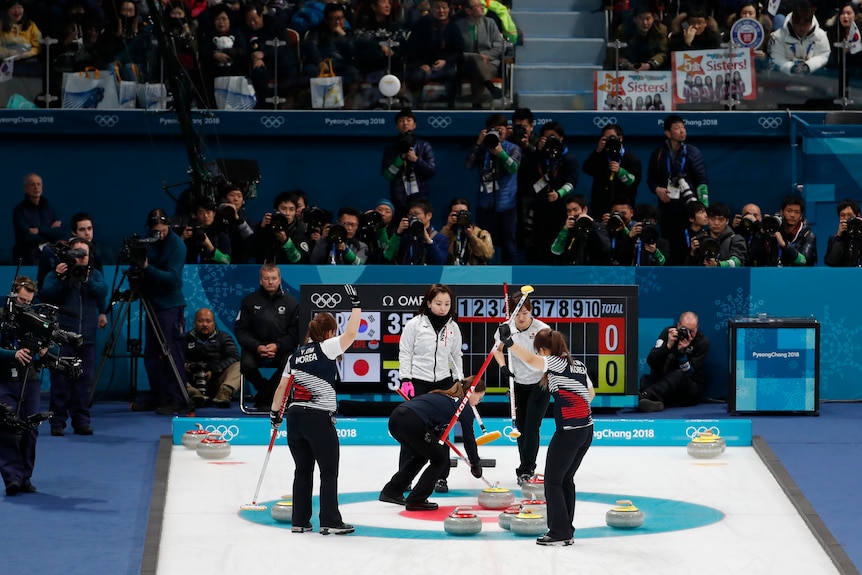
pixel 635 240
pixel 340 247
pixel 845 246
pixel 19 396
pixel 581 241
pixel 416 242
pixel 408 164
pixel 231 217
pixel 205 243
pixel 616 171
pixel 677 367
pixel 554 176
pixel 721 246
pixel 677 176
pixel 785 239
pixel 212 362
pixel 523 135
pixel 468 244
pixel 497 160
pixel 282 236
pixel 161 282
pixel 376 229
pixel 81 290
pixel 747 224
pixel 82 227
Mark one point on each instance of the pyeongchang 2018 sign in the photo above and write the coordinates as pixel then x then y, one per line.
pixel 704 76
pixel 637 91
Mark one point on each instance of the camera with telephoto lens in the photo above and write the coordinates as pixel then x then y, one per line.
pixel 683 333
pixel 315 220
pixel 134 252
pixel 583 227
pixel 462 218
pixel 553 148
pixel 415 227
pixel 492 138
pixel 854 228
pixel 519 132
pixel 747 227
pixel 11 424
pixel 226 212
pixel 686 194
pixel 613 148
pixel 770 224
pixel 198 370
pixel 709 248
pixel 337 234
pixel 616 222
pixel 370 222
pixel 69 256
pixel 278 222
pixel 649 232
pixel 406 141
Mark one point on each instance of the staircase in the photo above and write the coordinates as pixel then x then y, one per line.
pixel 564 44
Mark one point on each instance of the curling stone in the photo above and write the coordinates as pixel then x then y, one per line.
pixel 528 524
pixel 534 487
pixel 624 516
pixel 213 446
pixel 505 518
pixel 462 521
pixel 192 437
pixel 282 512
pixel 534 506
pixel 496 498
pixel 706 445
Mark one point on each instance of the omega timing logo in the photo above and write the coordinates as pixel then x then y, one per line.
pixel 403 300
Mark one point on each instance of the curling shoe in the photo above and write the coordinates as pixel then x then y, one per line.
pixel 548 541
pixel 301 529
pixel 421 506
pixel 342 529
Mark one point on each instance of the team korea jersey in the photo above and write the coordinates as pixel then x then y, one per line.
pixel 570 385
pixel 315 373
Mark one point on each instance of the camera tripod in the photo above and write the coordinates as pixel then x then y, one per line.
pixel 134 346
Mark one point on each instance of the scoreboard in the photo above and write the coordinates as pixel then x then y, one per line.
pixel 598 322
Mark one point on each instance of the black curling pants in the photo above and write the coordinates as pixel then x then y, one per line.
pixel 565 453
pixel 422 447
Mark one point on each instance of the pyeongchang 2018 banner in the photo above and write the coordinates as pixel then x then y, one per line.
pixel 704 76
pixel 636 90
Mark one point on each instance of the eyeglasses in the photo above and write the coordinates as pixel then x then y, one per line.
pixel 350 224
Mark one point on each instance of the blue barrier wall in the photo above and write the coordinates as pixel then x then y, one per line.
pixel 114 164
pixel 715 294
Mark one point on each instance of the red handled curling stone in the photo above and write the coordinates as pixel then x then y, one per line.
pixel 496 498
pixel 192 437
pixel 462 521
pixel 624 516
pixel 213 446
pixel 534 487
pixel 282 512
pixel 528 524
pixel 505 518
pixel 706 445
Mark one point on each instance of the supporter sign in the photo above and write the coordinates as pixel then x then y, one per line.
pixel 705 76
pixel 638 91
pixel 747 33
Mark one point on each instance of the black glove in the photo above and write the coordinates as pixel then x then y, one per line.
pixel 275 419
pixel 507 373
pixel 506 335
pixel 476 470
pixel 351 293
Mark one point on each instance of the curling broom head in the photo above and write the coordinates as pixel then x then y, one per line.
pixel 488 437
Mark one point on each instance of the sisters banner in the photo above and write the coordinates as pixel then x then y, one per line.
pixel 633 90
pixel 705 76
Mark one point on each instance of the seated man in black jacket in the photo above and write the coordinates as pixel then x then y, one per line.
pixel 212 362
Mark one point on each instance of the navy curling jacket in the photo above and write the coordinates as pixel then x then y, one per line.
pixel 437 409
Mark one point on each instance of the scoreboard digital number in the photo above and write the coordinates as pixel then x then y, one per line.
pixel 598 322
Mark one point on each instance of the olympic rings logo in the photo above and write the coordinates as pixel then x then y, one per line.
pixel 602 121
pixel 327 300
pixel 691 432
pixel 272 121
pixel 227 432
pixel 106 121
pixel 507 433
pixel 439 121
pixel 770 123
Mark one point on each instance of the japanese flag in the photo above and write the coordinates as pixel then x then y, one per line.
pixel 369 327
pixel 854 38
pixel 360 367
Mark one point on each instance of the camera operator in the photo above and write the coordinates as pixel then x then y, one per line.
pixel 83 292
pixel 317 222
pixel 19 395
pixel 786 239
pixel 688 240
pixel 267 330
pixel 416 242
pixel 677 176
pixel 161 282
pixel 677 367
pixel 634 235
pixel 554 176
pixel 340 247
pixel 82 227
pixel 747 224
pixel 282 237
pixel 721 246
pixel 581 241
pixel 212 362
pixel 232 220
pixel 376 229
pixel 205 242
pixel 468 243
pixel 845 246
pixel 616 171
pixel 408 164
pixel 497 160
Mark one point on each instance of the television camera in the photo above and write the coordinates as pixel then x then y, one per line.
pixel 69 256
pixel 37 327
